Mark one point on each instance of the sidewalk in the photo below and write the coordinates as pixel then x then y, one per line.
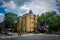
pixel 28 35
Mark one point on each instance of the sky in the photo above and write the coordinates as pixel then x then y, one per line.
pixel 21 7
pixel 1 17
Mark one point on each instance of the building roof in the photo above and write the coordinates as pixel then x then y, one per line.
pixel 30 12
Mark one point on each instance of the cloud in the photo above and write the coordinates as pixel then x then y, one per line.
pixel 40 6
pixel 1 17
pixel 21 7
pixel 21 2
pixel 17 2
pixel 5 0
pixel 59 0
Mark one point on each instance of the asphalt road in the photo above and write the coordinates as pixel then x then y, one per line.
pixel 33 37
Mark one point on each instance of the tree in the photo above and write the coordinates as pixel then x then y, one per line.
pixel 51 19
pixel 10 18
pixel 1 26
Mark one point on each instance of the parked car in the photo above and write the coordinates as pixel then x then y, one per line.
pixel 9 33
pixel 2 32
pixel 6 32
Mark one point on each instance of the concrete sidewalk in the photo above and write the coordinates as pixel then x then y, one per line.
pixel 40 34
pixel 30 34
pixel 16 35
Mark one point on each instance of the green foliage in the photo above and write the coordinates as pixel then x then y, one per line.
pixel 1 26
pixel 9 20
pixel 52 19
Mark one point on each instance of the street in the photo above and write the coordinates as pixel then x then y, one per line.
pixel 32 37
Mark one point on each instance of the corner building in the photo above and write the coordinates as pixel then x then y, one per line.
pixel 27 22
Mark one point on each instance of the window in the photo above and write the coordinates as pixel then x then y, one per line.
pixel 31 28
pixel 31 16
pixel 31 22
